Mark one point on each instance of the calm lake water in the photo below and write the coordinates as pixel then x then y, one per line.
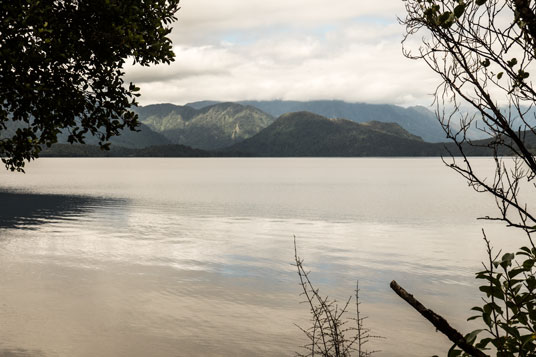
pixel 182 257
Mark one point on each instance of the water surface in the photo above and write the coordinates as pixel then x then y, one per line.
pixel 181 257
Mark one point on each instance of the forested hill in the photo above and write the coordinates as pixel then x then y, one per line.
pixel 210 128
pixel 309 134
pixel 77 150
pixel 417 120
pixel 291 135
pixel 141 138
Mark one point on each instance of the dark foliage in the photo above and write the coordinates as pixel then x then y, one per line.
pixel 509 309
pixel 61 68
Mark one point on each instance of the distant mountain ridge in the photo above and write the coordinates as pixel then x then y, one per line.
pixel 210 128
pixel 78 150
pixel 417 120
pixel 234 129
pixel 142 137
pixel 304 134
pixel 309 134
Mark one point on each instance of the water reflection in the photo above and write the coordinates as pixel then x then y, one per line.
pixel 23 210
pixel 20 352
pixel 195 259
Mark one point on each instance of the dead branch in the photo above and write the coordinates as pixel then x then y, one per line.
pixel 438 321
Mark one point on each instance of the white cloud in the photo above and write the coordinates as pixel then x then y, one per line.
pixel 209 18
pixel 190 62
pixel 299 50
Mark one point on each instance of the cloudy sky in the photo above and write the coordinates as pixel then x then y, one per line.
pixel 287 49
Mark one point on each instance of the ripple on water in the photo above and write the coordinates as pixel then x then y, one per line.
pixel 187 258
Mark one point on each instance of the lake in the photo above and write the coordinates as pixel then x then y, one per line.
pixel 182 257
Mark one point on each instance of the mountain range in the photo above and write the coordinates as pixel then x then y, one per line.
pixel 234 129
pixel 143 137
pixel 301 134
pixel 309 134
pixel 417 120
pixel 78 150
pixel 209 128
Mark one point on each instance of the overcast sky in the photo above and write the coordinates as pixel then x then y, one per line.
pixel 287 49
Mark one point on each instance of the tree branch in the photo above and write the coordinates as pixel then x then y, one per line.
pixel 439 322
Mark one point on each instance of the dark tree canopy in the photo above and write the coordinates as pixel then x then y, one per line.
pixel 61 68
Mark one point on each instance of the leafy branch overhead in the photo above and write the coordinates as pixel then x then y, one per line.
pixel 463 24
pixel 61 68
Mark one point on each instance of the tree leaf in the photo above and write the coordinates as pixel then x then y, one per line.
pixel 459 10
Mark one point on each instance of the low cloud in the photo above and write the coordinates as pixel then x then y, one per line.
pixel 205 19
pixel 189 62
pixel 271 50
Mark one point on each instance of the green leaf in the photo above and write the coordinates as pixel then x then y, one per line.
pixel 493 291
pixel 511 330
pixel 487 319
pixel 525 249
pixel 526 339
pixel 483 343
pixel 514 272
pixel 523 319
pixel 471 337
pixel 459 10
pixel 499 75
pixel 480 2
pixel 446 19
pixel 508 257
pixel 523 75
pixel 506 260
pixel 531 283
pixel 453 352
pixel 528 264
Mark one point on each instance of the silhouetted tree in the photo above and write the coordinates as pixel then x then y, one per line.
pixel 61 68
pixel 484 52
